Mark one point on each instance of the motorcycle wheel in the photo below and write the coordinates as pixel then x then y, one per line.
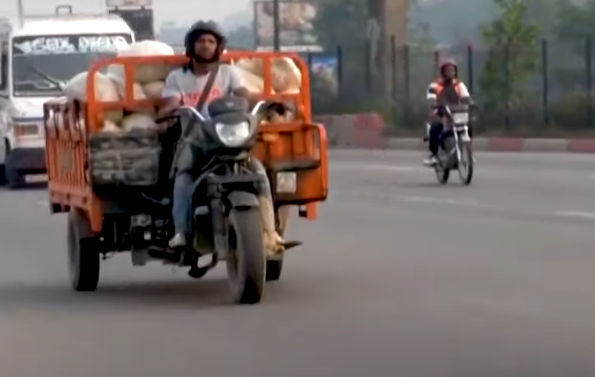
pixel 275 266
pixel 442 175
pixel 246 265
pixel 465 165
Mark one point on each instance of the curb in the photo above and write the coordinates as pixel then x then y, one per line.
pixel 366 131
pixel 506 145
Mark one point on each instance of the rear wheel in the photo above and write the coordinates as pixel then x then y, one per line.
pixel 83 253
pixel 14 178
pixel 275 266
pixel 2 175
pixel 465 165
pixel 246 265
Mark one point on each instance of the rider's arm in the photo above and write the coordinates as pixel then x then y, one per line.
pixel 237 87
pixel 172 96
pixel 464 94
pixel 433 105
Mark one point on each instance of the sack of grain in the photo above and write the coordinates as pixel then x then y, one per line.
pixel 286 74
pixel 148 72
pixel 105 91
pixel 253 82
pixel 154 89
pixel 138 121
pixel 138 92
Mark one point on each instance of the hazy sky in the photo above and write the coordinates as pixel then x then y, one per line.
pixel 182 11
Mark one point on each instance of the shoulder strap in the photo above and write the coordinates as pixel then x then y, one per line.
pixel 204 96
pixel 208 88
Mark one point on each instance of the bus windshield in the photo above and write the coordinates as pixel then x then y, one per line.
pixel 41 65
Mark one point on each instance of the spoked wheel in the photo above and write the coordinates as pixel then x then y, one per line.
pixel 246 265
pixel 83 253
pixel 465 165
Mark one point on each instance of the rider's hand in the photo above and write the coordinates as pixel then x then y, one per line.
pixel 168 107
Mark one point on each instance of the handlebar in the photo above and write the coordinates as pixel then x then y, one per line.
pixel 197 114
pixel 257 107
pixel 192 111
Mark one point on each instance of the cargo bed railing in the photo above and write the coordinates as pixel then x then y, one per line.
pixel 96 109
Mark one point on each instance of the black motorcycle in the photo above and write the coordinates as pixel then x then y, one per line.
pixel 226 209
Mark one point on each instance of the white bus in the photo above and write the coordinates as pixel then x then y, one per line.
pixel 39 55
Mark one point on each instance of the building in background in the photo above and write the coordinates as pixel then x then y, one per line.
pixel 296 27
pixel 137 13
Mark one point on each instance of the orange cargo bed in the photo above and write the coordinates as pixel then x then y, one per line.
pixel 300 145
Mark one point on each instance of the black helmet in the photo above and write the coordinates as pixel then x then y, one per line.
pixel 204 27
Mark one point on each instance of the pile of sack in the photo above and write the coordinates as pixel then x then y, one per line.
pixel 150 80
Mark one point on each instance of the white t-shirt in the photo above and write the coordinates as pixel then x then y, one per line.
pixel 184 84
pixel 433 87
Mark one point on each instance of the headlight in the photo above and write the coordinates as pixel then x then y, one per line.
pixel 460 118
pixel 233 135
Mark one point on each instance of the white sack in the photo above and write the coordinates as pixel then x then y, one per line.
pixel 105 91
pixel 153 90
pixel 137 93
pixel 138 121
pixel 111 127
pixel 253 82
pixel 148 72
pixel 286 74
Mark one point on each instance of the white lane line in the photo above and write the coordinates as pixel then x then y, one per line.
pixel 431 200
pixel 374 167
pixel 576 214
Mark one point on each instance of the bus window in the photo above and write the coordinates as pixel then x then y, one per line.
pixel 3 65
pixel 139 20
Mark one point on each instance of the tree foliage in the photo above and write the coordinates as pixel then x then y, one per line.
pixel 342 23
pixel 513 52
pixel 575 19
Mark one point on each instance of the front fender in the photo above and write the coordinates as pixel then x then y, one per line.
pixel 242 200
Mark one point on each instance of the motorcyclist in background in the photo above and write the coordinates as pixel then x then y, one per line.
pixel 447 90
pixel 205 43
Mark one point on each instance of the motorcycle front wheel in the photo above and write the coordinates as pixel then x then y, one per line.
pixel 246 264
pixel 465 165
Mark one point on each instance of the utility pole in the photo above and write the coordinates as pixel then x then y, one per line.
pixel 276 25
pixel 21 12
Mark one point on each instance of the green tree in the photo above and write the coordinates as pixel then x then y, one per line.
pixel 575 19
pixel 342 23
pixel 513 52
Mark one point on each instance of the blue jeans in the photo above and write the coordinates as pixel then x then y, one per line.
pixel 184 189
pixel 435 136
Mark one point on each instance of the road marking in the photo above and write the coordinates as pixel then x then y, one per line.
pixel 431 200
pixel 373 167
pixel 389 168
pixel 576 214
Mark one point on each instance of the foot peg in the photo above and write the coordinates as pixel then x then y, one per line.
pixel 290 244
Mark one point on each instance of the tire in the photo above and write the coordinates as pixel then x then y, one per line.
pixel 442 175
pixel 466 150
pixel 246 266
pixel 2 175
pixel 275 266
pixel 14 179
pixel 83 253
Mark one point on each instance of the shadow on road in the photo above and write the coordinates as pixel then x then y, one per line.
pixel 117 296
pixel 27 187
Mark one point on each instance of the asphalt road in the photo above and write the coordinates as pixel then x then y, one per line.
pixel 399 277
